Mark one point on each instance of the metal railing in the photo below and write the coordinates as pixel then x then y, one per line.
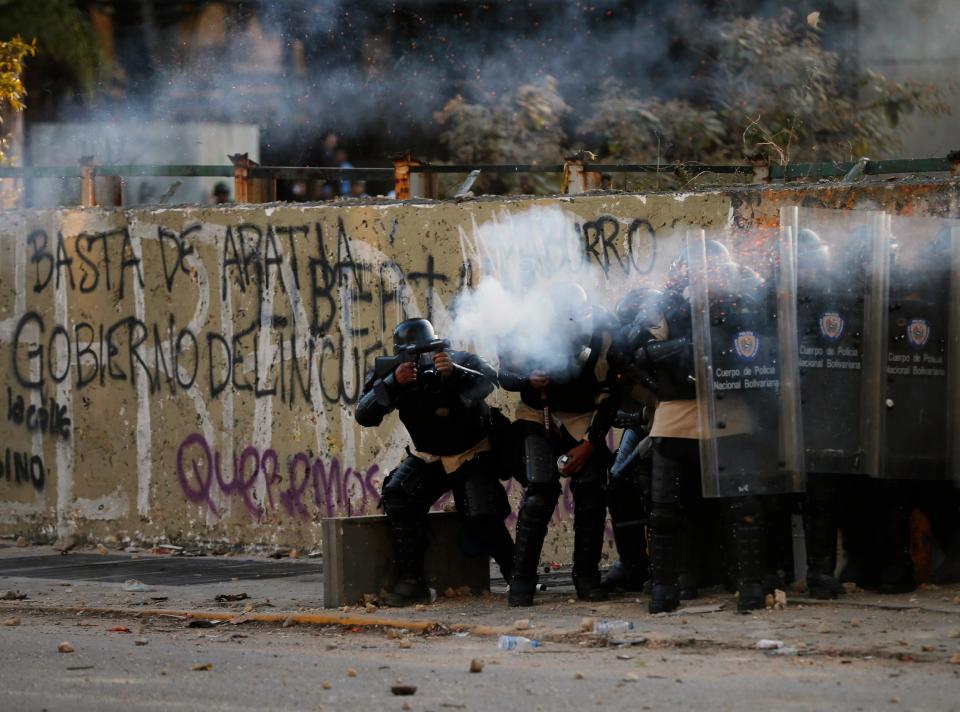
pixel 254 183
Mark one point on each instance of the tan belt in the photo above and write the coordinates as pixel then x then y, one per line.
pixel 452 463
pixel 576 424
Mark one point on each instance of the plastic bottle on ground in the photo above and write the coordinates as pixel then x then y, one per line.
pixel 517 643
pixel 611 627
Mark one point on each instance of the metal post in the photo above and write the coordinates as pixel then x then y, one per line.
pixel 576 178
pixel 88 181
pixel 407 184
pixel 241 177
pixel 761 169
pixel 954 158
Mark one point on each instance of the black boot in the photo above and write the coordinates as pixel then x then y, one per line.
pixel 409 543
pixel 535 512
pixel 625 577
pixel 502 549
pixel 748 532
pixel 588 521
pixel 664 552
pixel 664 532
pixel 820 530
pixel 896 570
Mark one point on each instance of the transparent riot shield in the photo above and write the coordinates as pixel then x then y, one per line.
pixel 916 394
pixel 750 435
pixel 834 250
pixel 953 368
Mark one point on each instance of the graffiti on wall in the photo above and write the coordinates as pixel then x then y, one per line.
pixel 249 340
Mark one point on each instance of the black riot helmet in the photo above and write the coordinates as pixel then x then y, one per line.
pixel 813 259
pixel 678 277
pixel 412 332
pixel 638 303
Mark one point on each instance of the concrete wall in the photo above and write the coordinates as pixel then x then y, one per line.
pixel 163 378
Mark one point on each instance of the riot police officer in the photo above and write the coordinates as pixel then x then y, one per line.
pixel 829 315
pixel 439 395
pixel 565 410
pixel 628 483
pixel 676 458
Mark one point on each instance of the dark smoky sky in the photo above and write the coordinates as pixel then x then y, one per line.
pixel 376 71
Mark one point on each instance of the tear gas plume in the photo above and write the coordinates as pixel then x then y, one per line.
pixel 525 301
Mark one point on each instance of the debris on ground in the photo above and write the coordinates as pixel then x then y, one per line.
pixel 13 596
pixel 767 644
pixel 779 599
pixel 405 644
pixel 140 641
pixel 12 621
pixel 289 622
pixel 102 549
pixel 202 667
pixel 785 650
pixel 399 688
pixel 476 665
pixel 522 624
pixel 280 554
pixel 228 597
pixel 327 686
pixel 586 624
pixel 954 633
pixel 850 587
pixel 135 586
pixel 22 541
pixel 67 544
pixel 823 628
pixel 65 647
pixel 351 672
pixel 202 623
pixel 168 549
pixel 369 607
pixel 578 676
pixel 606 627
pixel 631 677
pixel 120 629
pixel 955 659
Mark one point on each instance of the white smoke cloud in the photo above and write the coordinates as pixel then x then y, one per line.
pixel 522 303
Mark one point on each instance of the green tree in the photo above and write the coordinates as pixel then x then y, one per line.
pixel 64 36
pixel 768 89
pixel 523 126
pixel 13 55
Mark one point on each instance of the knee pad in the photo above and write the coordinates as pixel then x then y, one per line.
pixel 538 505
pixel 402 485
pixel 479 493
pixel 538 459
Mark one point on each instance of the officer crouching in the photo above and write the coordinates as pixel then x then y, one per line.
pixel 439 395
pixel 564 414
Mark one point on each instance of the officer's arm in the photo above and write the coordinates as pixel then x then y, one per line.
pixel 475 377
pixel 603 418
pixel 511 380
pixel 378 399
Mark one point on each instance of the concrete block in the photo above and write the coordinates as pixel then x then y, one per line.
pixel 358 558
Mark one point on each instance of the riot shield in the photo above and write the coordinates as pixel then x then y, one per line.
pixel 916 437
pixel 834 248
pixel 750 439
pixel 953 369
